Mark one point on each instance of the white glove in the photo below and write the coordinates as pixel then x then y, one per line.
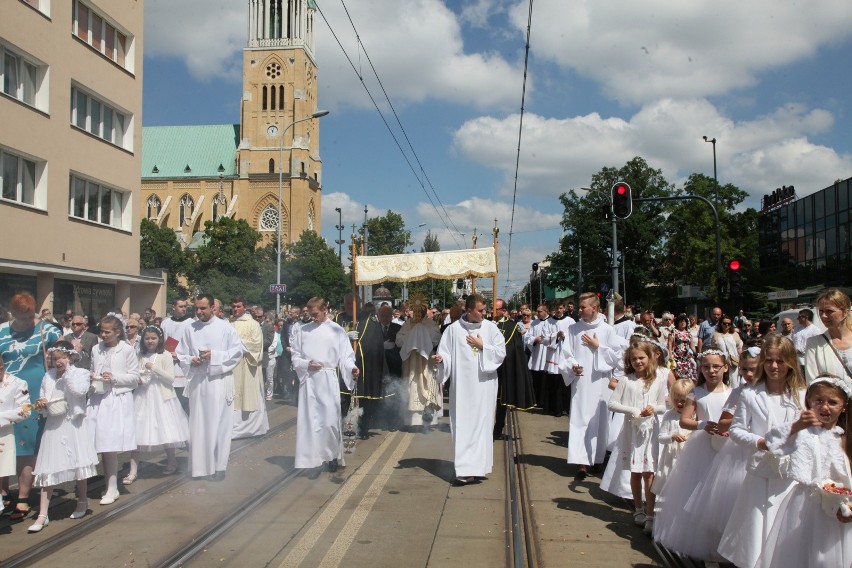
pixel 353 335
pixel 390 345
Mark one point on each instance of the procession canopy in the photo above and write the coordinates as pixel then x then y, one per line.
pixel 447 265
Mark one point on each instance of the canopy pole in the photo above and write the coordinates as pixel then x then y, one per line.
pixel 472 277
pixel 496 231
pixel 354 285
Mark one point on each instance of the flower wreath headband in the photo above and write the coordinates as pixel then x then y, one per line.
pixel 714 352
pixel 843 384
pixel 152 329
pixel 69 352
pixel 119 317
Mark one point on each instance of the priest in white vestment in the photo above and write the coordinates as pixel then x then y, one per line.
pixel 209 351
pixel 471 350
pixel 320 349
pixel 416 340
pixel 250 418
pixel 590 353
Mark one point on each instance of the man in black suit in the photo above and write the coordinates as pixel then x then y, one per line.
pixel 377 357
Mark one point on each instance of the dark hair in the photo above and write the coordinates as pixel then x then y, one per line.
pixel 681 318
pixel 205 296
pixel 239 300
pixel 67 346
pixel 472 300
pixel 808 313
pixel 763 326
pixel 143 350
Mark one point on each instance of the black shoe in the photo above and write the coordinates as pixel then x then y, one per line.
pixel 218 476
pixel 581 474
pixel 333 466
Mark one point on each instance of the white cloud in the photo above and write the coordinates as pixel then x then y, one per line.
pixel 208 35
pixel 756 155
pixel 416 47
pixel 642 51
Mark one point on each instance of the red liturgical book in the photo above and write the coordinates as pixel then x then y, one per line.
pixel 171 344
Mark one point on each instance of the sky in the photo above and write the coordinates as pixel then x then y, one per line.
pixel 607 80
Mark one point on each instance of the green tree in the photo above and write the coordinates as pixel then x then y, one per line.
pixel 159 248
pixel 387 235
pixel 690 247
pixel 588 228
pixel 230 246
pixel 312 268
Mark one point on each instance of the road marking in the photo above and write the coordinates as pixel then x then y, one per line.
pixel 344 538
pixel 330 511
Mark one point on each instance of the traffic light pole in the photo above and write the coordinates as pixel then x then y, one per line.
pixel 719 280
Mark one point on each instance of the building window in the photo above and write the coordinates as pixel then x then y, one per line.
pixel 219 206
pixel 264 98
pixel 186 207
pixel 21 179
pixel 22 77
pixel 100 119
pixel 272 97
pixel 271 166
pixel 95 29
pixel 311 216
pixel 98 203
pixel 269 219
pixel 154 207
pixel 42 6
pixel 280 97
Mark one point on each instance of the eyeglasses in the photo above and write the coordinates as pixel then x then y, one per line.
pixel 75 324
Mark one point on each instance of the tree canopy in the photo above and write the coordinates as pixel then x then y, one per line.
pixel 312 268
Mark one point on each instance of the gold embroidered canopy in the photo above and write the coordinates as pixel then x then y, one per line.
pixel 447 265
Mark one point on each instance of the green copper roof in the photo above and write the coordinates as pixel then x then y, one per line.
pixel 312 5
pixel 170 152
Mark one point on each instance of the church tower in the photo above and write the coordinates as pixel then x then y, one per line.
pixel 280 89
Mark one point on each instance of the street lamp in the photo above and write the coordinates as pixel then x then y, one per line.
pixel 339 228
pixel 715 179
pixel 272 132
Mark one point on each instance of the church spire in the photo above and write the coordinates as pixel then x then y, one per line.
pixel 281 23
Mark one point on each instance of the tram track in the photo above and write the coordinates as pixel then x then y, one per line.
pixel 522 547
pixel 127 505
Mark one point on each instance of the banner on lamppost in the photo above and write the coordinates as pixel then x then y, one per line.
pixel 277 288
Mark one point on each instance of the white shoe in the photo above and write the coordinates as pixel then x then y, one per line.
pixel 639 518
pixel 109 498
pixel 81 510
pixel 41 522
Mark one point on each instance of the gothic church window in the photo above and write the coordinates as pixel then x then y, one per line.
pixel 154 207
pixel 264 98
pixel 219 206
pixel 271 166
pixel 186 207
pixel 280 97
pixel 269 219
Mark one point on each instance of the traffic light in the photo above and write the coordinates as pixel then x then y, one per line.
pixel 622 200
pixel 735 284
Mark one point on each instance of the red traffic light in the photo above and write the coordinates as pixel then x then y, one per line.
pixel 621 200
pixel 734 265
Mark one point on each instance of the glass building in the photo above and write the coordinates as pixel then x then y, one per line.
pixel 806 243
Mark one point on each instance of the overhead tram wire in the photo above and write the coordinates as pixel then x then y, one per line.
pixel 390 131
pixel 520 133
pixel 398 121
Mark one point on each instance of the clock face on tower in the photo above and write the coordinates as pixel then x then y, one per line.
pixel 272 131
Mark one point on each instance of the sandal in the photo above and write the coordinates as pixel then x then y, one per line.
pixel 20 514
pixel 128 479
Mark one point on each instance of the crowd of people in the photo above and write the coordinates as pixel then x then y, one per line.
pixel 727 436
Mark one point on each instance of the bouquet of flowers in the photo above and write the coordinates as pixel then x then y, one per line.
pixel 835 496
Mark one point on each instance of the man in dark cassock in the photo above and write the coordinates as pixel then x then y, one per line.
pixel 377 357
pixel 515 387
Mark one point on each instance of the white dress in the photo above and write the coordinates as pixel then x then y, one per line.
pixel 14 394
pixel 473 392
pixel 416 341
pixel 319 435
pixel 674 527
pixel 111 415
pixel 66 452
pixel 638 446
pixel 711 506
pixel 670 450
pixel 759 497
pixel 160 419
pixel 803 534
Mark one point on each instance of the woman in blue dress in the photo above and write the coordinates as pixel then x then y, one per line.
pixel 23 344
